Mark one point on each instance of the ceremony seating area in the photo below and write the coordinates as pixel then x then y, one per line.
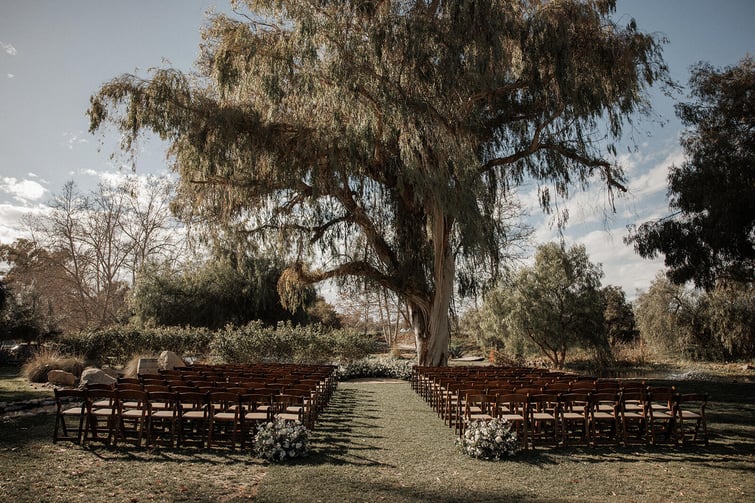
pixel 561 408
pixel 202 405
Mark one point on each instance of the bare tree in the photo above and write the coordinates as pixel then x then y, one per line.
pixel 96 243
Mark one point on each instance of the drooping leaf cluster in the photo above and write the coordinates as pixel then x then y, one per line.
pixel 379 135
pixel 711 233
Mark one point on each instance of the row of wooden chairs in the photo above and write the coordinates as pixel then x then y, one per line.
pixel 163 409
pixel 541 405
pixel 590 418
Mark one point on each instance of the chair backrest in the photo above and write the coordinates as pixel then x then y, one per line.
pixel 152 388
pixel 574 402
pixel 123 386
pixel 254 401
pixel 192 400
pixel 582 385
pixel 558 386
pixel 604 402
pixel 99 386
pixel 515 402
pixel 166 400
pixel 484 402
pixel 222 401
pixel 75 395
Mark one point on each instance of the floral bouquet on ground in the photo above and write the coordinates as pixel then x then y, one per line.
pixel 491 439
pixel 279 440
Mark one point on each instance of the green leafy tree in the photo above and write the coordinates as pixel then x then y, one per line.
pixel 711 233
pixel 553 306
pixel 731 318
pixel 672 320
pixel 618 315
pixel 714 325
pixel 225 290
pixel 380 139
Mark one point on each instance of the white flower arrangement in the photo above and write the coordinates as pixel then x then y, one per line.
pixel 376 367
pixel 491 439
pixel 279 440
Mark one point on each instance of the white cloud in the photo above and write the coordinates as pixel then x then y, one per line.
pixel 621 265
pixel 74 139
pixel 8 48
pixel 22 190
pixel 12 226
pixel 10 76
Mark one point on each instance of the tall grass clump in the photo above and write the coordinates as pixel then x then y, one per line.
pixel 47 359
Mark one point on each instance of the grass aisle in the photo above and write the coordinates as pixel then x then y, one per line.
pixel 375 442
pixel 381 442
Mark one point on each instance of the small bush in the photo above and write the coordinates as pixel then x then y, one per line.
pixel 256 342
pixel 120 343
pixel 45 360
pixel 492 439
pixel 280 440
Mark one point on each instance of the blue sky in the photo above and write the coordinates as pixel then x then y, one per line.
pixel 55 54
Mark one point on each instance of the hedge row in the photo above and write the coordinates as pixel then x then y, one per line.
pixel 251 343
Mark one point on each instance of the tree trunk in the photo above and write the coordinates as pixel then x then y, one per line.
pixel 430 320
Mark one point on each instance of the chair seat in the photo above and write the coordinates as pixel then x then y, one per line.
pixel 603 415
pixel 480 417
pixel 573 416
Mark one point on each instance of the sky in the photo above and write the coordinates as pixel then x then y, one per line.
pixel 55 54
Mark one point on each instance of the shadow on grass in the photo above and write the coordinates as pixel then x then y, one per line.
pixel 345 434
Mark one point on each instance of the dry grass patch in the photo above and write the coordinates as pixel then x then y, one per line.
pixel 45 360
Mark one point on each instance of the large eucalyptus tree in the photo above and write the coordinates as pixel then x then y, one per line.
pixel 384 137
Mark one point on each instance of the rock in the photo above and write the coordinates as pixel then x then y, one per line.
pixel 147 366
pixel 111 372
pixel 61 378
pixel 94 375
pixel 168 360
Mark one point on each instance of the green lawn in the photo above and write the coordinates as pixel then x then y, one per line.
pixel 13 387
pixel 381 442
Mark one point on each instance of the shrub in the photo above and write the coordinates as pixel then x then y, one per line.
pixel 492 439
pixel 121 342
pixel 45 360
pixel 280 440
pixel 393 368
pixel 256 342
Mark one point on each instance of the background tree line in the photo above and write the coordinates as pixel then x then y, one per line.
pixel 117 254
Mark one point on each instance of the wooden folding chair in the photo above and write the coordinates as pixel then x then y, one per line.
pixel 604 418
pixel 479 407
pixel 256 409
pixel 163 421
pixel 193 417
pixel 662 415
pixel 633 416
pixel 70 403
pixel 224 418
pixel 513 408
pixel 574 418
pixel 102 414
pixel 543 418
pixel 691 416
pixel 133 415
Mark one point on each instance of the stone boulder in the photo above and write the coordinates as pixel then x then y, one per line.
pixel 111 372
pixel 94 375
pixel 168 360
pixel 61 378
